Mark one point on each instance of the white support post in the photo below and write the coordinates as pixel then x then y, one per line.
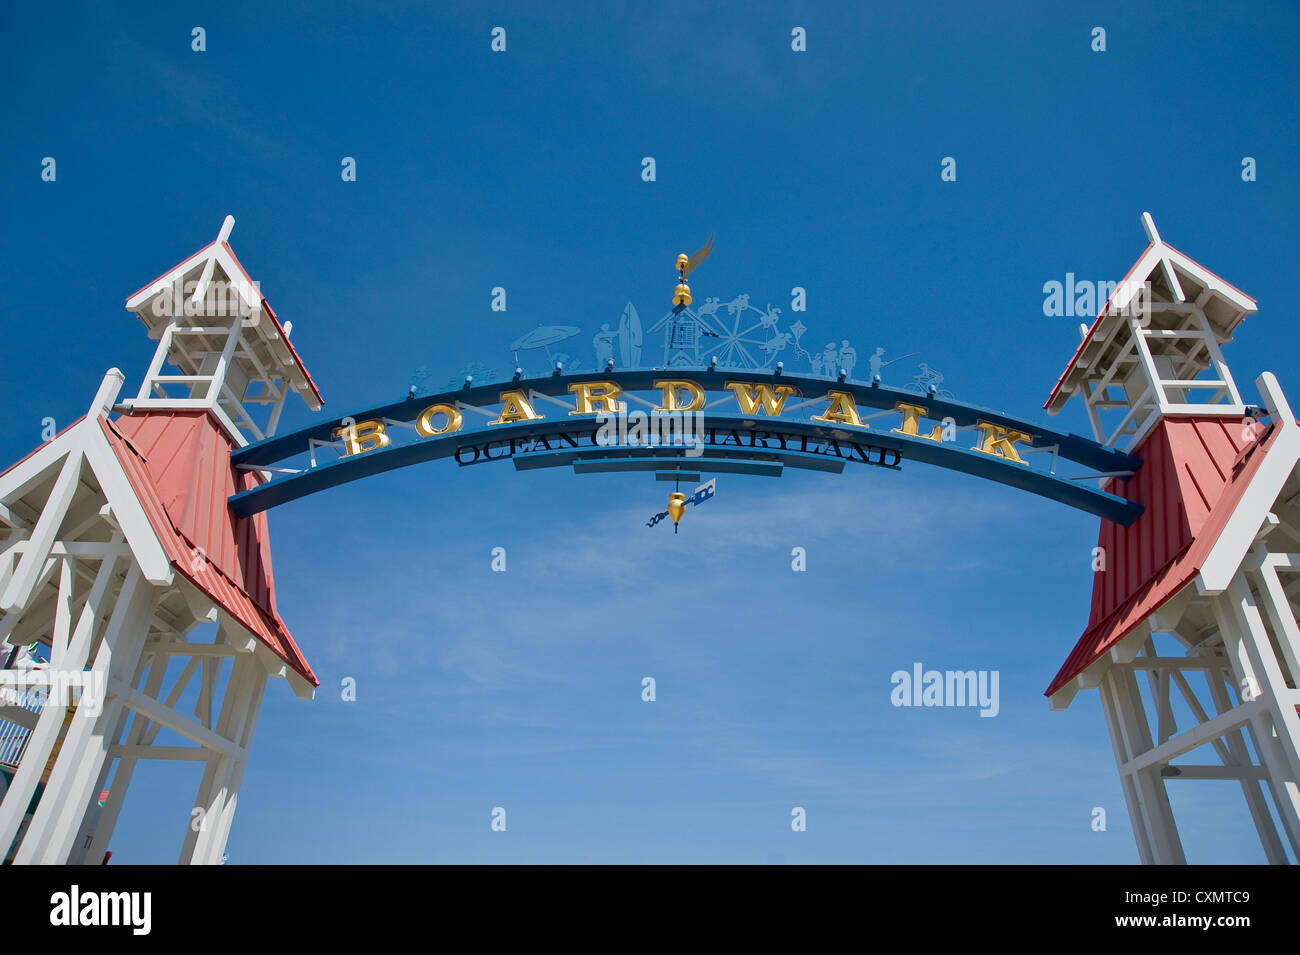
pixel 1276 727
pixel 219 788
pixel 217 844
pixel 1216 356
pixel 273 421
pixel 68 793
pixel 1145 784
pixel 1148 363
pixel 1089 404
pixel 49 723
pixel 1280 615
pixel 1109 706
pixel 126 764
pixel 59 635
pixel 164 346
pixel 219 372
pixel 1232 750
pixel 1272 688
pixel 84 849
pixel 83 636
pixel 1158 681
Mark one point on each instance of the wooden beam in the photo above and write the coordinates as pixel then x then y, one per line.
pixel 165 716
pixel 13 520
pixel 1214 772
pixel 37 547
pixel 186 753
pixel 174 648
pixel 1194 737
pixel 1177 663
pixel 145 546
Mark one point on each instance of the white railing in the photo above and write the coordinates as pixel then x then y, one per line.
pixel 14 736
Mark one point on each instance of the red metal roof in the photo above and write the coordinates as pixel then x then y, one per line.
pixel 178 462
pixel 1195 473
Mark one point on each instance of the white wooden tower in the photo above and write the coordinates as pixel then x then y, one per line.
pixel 119 559
pixel 1192 639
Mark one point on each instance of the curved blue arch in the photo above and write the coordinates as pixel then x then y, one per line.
pixel 562 440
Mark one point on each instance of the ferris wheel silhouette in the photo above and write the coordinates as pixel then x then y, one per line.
pixel 745 337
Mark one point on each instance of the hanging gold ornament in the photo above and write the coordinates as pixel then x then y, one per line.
pixel 676 507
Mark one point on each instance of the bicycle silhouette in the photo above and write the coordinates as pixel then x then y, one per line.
pixel 927 383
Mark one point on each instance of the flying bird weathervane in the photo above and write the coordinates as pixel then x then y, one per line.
pixel 682 293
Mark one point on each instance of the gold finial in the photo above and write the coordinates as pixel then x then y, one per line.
pixel 676 507
pixel 685 265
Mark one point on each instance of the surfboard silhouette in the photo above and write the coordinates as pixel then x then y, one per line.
pixel 630 337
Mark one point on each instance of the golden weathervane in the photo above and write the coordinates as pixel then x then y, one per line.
pixel 682 294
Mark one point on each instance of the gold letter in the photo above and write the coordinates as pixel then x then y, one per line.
pixel 424 423
pixel 670 395
pixel 910 415
pixel 515 407
pixel 1000 442
pixel 362 436
pixel 842 410
pixel 771 399
pixel 591 394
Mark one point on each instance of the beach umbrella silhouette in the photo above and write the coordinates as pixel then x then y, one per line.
pixel 543 336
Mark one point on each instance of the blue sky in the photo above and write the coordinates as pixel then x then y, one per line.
pixel 522 170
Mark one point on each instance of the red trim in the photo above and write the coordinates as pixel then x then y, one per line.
pixel 42 445
pixel 1249 298
pixel 266 306
pixel 171 270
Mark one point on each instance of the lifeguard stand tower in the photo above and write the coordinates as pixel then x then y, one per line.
pixel 1192 638
pixel 683 338
pixel 119 555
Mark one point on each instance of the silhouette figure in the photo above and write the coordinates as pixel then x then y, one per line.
pixel 848 358
pixel 928 376
pixel 604 343
pixel 876 362
pixel 829 359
